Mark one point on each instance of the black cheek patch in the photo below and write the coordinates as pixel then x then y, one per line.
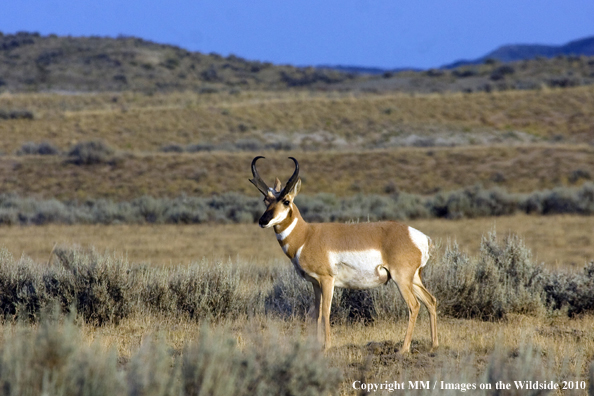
pixel 266 217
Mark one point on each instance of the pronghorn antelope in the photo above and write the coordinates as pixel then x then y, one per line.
pixel 355 256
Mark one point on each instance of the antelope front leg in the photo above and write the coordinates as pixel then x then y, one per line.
pixel 327 284
pixel 316 312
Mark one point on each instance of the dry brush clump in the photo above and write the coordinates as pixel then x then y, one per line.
pixel 502 280
pixel 104 288
pixel 469 202
pixel 90 153
pixel 54 359
pixel 573 292
pixel 43 148
pixel 226 208
pixel 246 144
pixel 526 368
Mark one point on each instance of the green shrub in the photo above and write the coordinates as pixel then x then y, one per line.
pixel 290 297
pixel 103 288
pixel 561 200
pixel 276 367
pixel 194 148
pixel 22 295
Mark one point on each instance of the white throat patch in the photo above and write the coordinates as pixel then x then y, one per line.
pixel 285 233
pixel 277 220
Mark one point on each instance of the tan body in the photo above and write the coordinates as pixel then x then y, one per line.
pixel 355 256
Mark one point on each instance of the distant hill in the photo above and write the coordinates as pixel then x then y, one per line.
pixel 353 69
pixel 512 53
pixel 31 62
pixel 365 70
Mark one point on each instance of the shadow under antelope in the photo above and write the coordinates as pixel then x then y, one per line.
pixel 354 256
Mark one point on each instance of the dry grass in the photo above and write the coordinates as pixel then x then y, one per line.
pixel 564 347
pixel 369 351
pixel 414 170
pixel 157 244
pixel 133 122
pixel 558 241
pixel 138 123
pixel 558 336
pixel 504 140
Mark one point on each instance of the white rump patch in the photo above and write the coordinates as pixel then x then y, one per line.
pixel 358 269
pixel 421 241
pixel 282 235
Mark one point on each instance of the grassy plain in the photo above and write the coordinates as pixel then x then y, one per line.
pixel 520 347
pixel 414 170
pixel 347 144
pixel 558 241
pixel 135 122
pixel 368 352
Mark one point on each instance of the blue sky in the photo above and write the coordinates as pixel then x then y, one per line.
pixel 382 33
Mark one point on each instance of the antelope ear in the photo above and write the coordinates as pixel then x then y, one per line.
pixel 277 185
pixel 295 189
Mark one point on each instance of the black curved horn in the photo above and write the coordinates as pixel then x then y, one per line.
pixel 292 180
pixel 257 180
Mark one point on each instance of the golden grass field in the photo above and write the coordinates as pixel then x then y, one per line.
pixel 562 241
pixel 518 140
pixel 414 170
pixel 525 141
pixel 368 351
pixel 136 122
pixel 359 350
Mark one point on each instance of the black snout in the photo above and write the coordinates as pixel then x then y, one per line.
pixel 265 219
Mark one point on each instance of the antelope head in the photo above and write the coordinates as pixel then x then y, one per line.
pixel 279 202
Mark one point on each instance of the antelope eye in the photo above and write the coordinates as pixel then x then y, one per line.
pixel 286 202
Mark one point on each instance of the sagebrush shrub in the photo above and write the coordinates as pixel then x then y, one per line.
pixel 91 152
pixel 53 359
pixel 571 291
pixel 502 280
pixel 102 288
pixel 98 285
pixel 172 148
pixel 43 148
pixel 238 208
